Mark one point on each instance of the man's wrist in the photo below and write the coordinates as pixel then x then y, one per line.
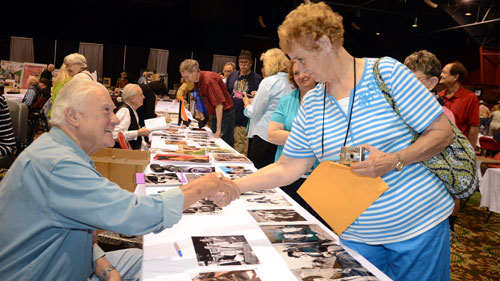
pixel 107 271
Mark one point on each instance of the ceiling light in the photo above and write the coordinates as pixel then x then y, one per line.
pixel 377 33
pixel 467 11
pixel 415 22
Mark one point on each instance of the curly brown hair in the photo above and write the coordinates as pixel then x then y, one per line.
pixel 308 23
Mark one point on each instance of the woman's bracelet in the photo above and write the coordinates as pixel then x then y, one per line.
pixel 107 271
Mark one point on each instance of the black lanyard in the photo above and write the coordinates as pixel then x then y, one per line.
pixel 350 113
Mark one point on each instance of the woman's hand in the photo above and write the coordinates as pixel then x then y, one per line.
pixel 246 101
pixel 378 163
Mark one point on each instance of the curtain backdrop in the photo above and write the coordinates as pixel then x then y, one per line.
pixel 158 60
pixel 94 54
pixel 220 61
pixel 21 49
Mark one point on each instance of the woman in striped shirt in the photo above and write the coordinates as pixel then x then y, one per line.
pixel 7 140
pixel 405 231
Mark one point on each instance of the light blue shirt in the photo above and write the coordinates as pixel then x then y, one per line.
pixel 284 113
pixel 416 200
pixel 52 198
pixel 271 89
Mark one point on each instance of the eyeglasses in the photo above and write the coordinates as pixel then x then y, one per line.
pixel 244 62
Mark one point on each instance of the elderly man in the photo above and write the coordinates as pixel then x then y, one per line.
pixel 129 120
pixel 215 97
pixel 463 103
pixel 47 73
pixel 229 67
pixel 53 198
pixel 239 82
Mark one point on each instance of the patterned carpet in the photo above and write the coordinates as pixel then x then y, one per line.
pixel 475 251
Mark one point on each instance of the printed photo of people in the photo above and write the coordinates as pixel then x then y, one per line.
pixel 256 200
pixel 234 275
pixel 223 250
pixel 322 261
pixel 277 215
pixel 297 233
pixel 204 206
pixel 230 157
pixel 162 179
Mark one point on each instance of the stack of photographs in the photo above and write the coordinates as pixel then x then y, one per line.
pixel 223 250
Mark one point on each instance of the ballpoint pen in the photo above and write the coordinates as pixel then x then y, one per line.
pixel 176 246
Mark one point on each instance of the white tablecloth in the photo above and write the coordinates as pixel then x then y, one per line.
pixel 490 190
pixel 15 97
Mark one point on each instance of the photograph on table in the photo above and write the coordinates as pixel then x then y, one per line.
pixel 176 142
pixel 261 201
pixel 150 190
pixel 182 159
pixel 182 149
pixel 204 207
pixel 157 168
pixel 162 179
pixel 205 143
pixel 326 260
pixel 185 177
pixel 260 192
pixel 173 138
pixel 295 233
pixel 219 150
pixel 230 158
pixel 237 275
pixel 276 215
pixel 236 170
pixel 223 250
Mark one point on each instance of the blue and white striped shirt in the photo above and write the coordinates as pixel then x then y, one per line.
pixel 416 200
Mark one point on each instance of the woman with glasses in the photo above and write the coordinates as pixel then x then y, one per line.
pixel 405 231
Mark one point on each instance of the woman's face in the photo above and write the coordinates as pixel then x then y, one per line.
pixel 310 62
pixel 304 81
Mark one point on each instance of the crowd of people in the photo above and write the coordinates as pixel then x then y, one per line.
pixel 315 98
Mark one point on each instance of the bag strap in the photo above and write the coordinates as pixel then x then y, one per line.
pixel 387 95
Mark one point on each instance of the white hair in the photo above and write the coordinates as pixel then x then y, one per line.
pixel 130 90
pixel 75 58
pixel 74 94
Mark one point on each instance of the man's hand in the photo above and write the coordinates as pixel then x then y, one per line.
pixel 142 132
pixel 378 164
pixel 228 191
pixel 213 186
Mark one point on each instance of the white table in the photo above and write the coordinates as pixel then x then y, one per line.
pixel 16 97
pixel 490 190
pixel 161 261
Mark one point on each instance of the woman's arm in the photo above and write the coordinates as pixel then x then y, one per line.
pixel 276 133
pixel 281 173
pixel 434 139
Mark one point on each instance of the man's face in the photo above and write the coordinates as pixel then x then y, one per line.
pixel 245 66
pixel 138 99
pixel 97 122
pixel 446 78
pixel 227 70
pixel 191 77
pixel 50 68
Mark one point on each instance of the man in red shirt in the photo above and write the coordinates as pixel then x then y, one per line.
pixel 463 103
pixel 215 97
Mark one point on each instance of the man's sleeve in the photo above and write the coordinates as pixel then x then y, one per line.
pixel 473 112
pixel 124 117
pixel 81 198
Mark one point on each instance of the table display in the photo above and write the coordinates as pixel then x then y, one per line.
pixel 264 235
pixel 490 190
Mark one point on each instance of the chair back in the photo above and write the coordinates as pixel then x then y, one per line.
pixel 489 144
pixel 19 117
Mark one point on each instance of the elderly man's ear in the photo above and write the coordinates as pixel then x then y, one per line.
pixel 72 117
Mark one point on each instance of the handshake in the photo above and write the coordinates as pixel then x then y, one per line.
pixel 214 186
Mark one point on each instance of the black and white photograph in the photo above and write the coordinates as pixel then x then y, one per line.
pixel 236 275
pixel 204 206
pixel 260 192
pixel 295 233
pixel 276 215
pixel 326 260
pixel 223 250
pixel 162 179
pixel 262 200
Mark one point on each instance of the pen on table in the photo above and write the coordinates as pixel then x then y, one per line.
pixel 176 246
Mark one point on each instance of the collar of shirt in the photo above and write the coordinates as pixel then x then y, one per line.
pixel 61 137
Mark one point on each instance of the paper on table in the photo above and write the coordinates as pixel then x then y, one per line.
pixel 158 123
pixel 338 195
